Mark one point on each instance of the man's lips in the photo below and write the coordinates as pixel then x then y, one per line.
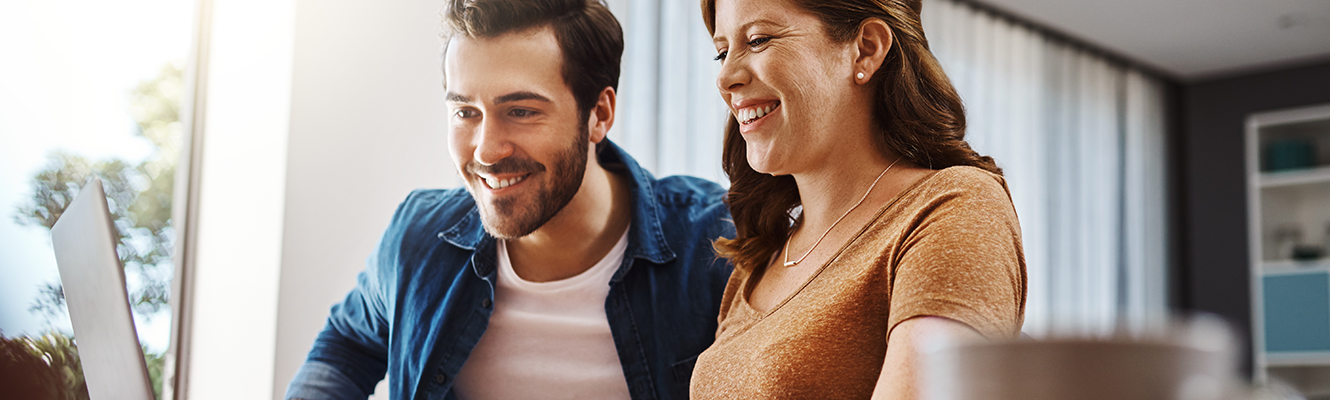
pixel 505 173
pixel 496 183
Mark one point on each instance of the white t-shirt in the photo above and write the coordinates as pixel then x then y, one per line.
pixel 547 340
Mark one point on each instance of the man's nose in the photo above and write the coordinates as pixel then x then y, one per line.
pixel 492 144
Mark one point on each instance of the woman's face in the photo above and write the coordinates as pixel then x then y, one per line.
pixel 787 83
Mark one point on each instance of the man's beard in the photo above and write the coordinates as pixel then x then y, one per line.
pixel 511 217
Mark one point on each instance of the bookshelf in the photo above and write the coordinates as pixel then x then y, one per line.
pixel 1288 176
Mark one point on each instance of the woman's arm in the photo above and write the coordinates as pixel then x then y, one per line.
pixel 901 370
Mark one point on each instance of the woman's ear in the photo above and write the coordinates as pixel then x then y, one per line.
pixel 872 45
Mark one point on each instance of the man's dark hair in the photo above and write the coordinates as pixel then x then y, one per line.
pixel 588 34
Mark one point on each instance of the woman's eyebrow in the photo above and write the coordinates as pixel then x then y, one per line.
pixel 745 27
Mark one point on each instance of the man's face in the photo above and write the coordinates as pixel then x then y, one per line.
pixel 514 129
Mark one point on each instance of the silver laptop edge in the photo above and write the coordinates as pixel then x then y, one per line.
pixel 94 286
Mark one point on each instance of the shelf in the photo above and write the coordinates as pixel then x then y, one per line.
pixel 1291 302
pixel 1293 266
pixel 1295 177
pixel 1318 359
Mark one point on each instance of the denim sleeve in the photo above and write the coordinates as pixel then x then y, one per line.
pixel 317 380
pixel 350 355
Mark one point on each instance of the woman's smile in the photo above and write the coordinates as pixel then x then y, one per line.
pixel 751 118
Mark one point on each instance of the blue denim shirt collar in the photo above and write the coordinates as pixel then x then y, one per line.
pixel 646 239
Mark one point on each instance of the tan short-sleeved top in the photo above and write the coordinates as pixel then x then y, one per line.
pixel 948 246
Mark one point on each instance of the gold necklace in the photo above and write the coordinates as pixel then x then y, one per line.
pixel 789 263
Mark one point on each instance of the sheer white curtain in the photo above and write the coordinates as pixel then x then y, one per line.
pixel 671 117
pixel 1081 140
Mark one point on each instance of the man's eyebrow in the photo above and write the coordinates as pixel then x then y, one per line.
pixel 456 98
pixel 520 96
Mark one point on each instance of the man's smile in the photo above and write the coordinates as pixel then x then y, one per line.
pixel 500 182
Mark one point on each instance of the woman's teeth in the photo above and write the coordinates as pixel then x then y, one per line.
pixel 748 115
pixel 502 183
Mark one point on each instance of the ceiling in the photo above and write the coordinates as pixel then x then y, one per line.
pixel 1190 39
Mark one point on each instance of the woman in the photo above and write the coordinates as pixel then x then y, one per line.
pixel 865 222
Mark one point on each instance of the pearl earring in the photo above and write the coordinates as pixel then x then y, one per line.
pixel 860 75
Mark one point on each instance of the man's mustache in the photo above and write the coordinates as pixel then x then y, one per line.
pixel 506 166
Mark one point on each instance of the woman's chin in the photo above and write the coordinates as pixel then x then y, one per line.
pixel 763 164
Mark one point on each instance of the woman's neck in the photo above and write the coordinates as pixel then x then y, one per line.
pixel 834 187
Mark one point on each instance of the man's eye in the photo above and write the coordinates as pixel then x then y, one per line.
pixel 520 113
pixel 721 56
pixel 465 113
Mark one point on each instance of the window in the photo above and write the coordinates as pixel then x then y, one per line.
pixel 88 89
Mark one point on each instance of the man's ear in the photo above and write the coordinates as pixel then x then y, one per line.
pixel 601 117
pixel 871 47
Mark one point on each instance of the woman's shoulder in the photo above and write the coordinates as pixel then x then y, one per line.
pixel 963 184
pixel 968 177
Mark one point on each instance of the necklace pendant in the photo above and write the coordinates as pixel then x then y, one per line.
pixel 786 251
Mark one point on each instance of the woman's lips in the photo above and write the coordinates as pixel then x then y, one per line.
pixel 750 114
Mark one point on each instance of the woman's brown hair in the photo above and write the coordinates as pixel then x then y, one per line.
pixel 917 112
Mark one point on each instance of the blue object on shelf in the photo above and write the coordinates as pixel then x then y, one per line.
pixel 1287 154
pixel 1297 312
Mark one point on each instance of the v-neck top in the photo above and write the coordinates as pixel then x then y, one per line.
pixel 948 246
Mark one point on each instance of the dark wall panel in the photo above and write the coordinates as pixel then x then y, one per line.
pixel 1213 197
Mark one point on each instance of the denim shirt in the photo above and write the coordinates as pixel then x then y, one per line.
pixel 427 293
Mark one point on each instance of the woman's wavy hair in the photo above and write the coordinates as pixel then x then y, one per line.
pixel 916 110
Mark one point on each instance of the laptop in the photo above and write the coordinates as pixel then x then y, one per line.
pixel 94 285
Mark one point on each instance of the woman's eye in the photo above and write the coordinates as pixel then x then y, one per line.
pixel 721 56
pixel 758 41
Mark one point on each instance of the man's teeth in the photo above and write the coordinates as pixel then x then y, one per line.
pixel 502 183
pixel 747 115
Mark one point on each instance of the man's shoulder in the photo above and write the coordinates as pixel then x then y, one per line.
pixel 688 191
pixel 437 202
pixel 433 209
pixel 693 201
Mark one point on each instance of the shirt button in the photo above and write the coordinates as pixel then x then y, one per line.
pixel 440 378
pixel 485 303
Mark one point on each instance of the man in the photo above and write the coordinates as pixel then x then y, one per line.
pixel 563 270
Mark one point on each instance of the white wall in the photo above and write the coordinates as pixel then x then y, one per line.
pixel 240 204
pixel 367 126
pixel 321 116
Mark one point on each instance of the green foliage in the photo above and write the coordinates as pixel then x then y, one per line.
pixel 140 198
pixel 45 367
pixel 139 195
pixel 156 364
pixel 23 374
pixel 48 367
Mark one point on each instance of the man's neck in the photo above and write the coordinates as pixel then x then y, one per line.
pixel 581 234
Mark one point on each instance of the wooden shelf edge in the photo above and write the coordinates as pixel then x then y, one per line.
pixel 1295 177
pixel 1293 267
pixel 1297 360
